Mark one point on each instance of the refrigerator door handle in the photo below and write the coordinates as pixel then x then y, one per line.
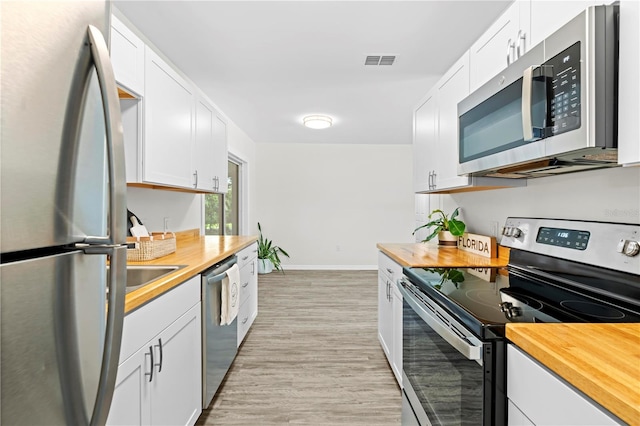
pixel 113 335
pixel 115 142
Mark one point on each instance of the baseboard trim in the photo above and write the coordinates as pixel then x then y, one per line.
pixel 331 267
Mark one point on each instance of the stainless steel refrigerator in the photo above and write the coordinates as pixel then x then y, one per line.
pixel 62 214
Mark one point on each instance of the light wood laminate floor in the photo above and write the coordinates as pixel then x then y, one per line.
pixel 312 356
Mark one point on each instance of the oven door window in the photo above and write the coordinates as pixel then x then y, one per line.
pixel 448 385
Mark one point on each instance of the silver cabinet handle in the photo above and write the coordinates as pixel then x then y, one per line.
pixel 390 271
pixel 245 284
pixel 510 48
pixel 245 258
pixel 253 268
pixel 195 178
pixel 117 225
pixel 150 374
pixel 520 46
pixel 434 180
pixel 159 345
pixel 244 321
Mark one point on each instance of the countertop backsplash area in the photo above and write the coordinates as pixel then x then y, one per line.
pixel 608 195
pixel 152 206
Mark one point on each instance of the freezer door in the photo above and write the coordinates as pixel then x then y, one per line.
pixel 53 321
pixel 53 163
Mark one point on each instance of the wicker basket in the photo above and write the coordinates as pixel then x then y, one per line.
pixel 156 245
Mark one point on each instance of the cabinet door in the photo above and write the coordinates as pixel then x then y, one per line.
pixel 547 17
pixel 127 57
pixel 396 364
pixel 452 89
pixel 425 138
pixel 384 314
pixel 500 44
pixel 629 95
pixel 130 404
pixel 168 124
pixel 220 156
pixel 176 397
pixel 204 148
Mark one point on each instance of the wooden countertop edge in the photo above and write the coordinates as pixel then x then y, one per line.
pixel 622 400
pixel 150 291
pixel 420 255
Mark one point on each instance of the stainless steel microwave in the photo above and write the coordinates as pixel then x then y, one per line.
pixel 554 110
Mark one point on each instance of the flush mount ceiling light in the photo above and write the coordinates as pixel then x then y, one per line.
pixel 317 121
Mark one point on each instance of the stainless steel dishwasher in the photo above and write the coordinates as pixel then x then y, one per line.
pixel 219 342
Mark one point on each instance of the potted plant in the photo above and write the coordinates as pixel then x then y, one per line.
pixel 268 257
pixel 447 228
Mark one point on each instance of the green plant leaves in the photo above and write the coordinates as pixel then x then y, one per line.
pixel 443 223
pixel 267 250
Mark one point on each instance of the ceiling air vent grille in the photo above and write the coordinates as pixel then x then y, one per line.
pixel 380 60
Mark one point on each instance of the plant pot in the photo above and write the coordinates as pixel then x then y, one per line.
pixel 265 266
pixel 446 239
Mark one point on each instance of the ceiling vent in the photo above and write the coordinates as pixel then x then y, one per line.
pixel 380 60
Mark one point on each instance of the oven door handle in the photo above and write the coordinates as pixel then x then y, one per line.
pixel 462 345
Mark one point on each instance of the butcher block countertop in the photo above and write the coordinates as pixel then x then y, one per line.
pixel 601 360
pixel 196 253
pixel 421 255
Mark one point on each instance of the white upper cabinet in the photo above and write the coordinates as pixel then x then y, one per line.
pixel 220 162
pixel 452 88
pixel 425 139
pixel 629 96
pixel 127 57
pixel 505 41
pixel 204 149
pixel 549 16
pixel 168 124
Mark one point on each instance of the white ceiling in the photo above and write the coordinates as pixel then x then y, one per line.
pixel 267 64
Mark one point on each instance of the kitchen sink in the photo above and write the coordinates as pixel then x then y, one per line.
pixel 137 276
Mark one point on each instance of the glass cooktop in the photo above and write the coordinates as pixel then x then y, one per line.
pixel 485 299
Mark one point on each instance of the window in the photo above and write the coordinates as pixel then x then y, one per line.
pixel 224 208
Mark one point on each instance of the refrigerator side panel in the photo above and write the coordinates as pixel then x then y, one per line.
pixel 46 64
pixel 52 313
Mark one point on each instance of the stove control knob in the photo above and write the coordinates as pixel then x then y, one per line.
pixel 507 231
pixel 516 232
pixel 631 248
pixel 509 310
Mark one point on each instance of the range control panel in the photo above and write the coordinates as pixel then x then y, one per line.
pixel 608 245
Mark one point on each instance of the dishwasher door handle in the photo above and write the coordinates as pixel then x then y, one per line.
pixel 219 277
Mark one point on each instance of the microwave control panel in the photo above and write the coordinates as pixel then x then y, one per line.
pixel 564 90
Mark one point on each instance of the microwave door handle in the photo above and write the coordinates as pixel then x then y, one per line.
pixel 527 96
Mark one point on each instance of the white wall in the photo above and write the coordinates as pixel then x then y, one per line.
pixel 328 205
pixel 153 205
pixel 610 195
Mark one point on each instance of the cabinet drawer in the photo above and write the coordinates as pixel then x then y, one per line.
pixel 247 254
pixel 245 317
pixel 143 324
pixel 545 398
pixel 248 281
pixel 388 267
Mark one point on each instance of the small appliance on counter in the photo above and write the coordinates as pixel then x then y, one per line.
pixel 454 351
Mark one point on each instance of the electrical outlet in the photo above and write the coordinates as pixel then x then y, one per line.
pixel 166 224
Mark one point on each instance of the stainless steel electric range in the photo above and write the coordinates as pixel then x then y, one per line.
pixel 454 346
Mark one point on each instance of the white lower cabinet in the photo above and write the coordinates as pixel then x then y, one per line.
pixel 159 378
pixel 248 311
pixel 539 397
pixel 390 313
